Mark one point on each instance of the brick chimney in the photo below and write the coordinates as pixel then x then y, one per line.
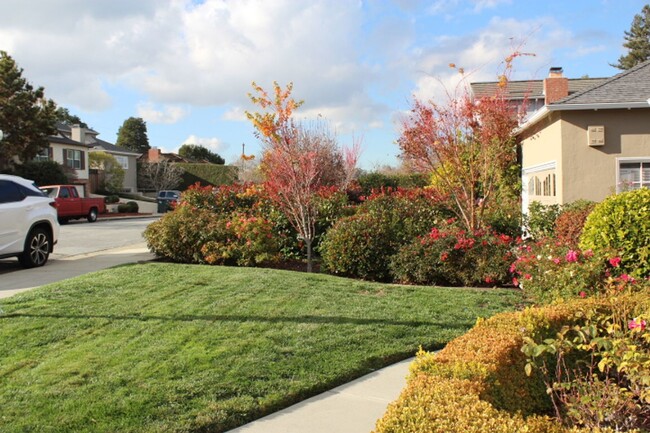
pixel 556 86
pixel 153 155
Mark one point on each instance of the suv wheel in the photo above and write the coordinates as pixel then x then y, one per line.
pixel 37 249
pixel 92 215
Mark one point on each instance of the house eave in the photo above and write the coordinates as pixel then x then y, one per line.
pixel 547 109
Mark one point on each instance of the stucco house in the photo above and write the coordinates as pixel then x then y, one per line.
pixel 590 144
pixel 69 147
pixel 127 159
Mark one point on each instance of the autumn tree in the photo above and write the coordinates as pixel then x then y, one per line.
pixel 159 175
pixel 637 41
pixel 132 135
pixel 27 118
pixel 467 145
pixel 298 160
pixel 196 152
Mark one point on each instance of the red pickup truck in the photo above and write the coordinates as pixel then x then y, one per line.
pixel 69 205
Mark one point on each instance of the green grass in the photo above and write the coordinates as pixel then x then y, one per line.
pixel 180 348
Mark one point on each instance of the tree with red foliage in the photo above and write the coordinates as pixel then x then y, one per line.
pixel 298 161
pixel 468 145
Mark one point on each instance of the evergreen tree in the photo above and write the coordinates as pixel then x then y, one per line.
pixel 637 41
pixel 27 118
pixel 196 152
pixel 133 135
pixel 64 116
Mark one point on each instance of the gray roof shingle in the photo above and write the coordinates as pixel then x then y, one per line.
pixel 531 89
pixel 631 86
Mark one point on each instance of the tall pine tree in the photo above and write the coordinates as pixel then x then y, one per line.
pixel 133 135
pixel 27 118
pixel 637 41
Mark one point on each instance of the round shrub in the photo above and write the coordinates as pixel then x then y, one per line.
pixel 359 246
pixel 452 256
pixel 128 207
pixel 622 223
pixel 110 199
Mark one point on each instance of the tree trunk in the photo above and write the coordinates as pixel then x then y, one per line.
pixel 309 260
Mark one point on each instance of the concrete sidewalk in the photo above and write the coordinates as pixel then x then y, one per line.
pixel 351 408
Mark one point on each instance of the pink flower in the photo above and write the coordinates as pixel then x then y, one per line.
pixel 556 261
pixel 515 281
pixel 528 277
pixel 615 261
pixel 636 323
pixel 572 256
pixel 588 253
pixel 582 294
pixel 627 278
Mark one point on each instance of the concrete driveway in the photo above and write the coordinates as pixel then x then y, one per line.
pixel 82 248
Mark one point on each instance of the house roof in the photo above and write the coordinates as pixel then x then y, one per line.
pixel 629 89
pixel 111 148
pixel 67 141
pixel 531 89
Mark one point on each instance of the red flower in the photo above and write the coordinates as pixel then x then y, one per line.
pixel 582 294
pixel 515 281
pixel 627 278
pixel 615 261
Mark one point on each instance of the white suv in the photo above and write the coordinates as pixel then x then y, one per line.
pixel 28 225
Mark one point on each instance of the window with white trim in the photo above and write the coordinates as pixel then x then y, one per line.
pixel 73 158
pixel 633 174
pixel 123 161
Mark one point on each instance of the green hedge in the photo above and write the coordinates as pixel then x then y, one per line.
pixel 207 174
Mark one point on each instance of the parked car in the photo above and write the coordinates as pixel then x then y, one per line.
pixel 28 222
pixel 167 199
pixel 70 205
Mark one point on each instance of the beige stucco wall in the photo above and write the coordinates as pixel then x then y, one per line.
pixel 57 155
pixel 583 171
pixel 591 172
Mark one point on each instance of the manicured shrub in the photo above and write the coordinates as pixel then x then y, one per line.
pixel 549 270
pixel 479 383
pixel 622 223
pixel 597 367
pixel 450 256
pixel 110 199
pixel 359 246
pixel 128 207
pixel 180 235
pixel 243 240
pixel 570 222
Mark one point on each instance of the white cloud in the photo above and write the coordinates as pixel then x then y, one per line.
pixel 167 114
pixel 212 143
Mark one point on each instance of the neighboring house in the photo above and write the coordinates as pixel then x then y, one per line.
pixel 155 155
pixel 531 95
pixel 69 147
pixel 590 144
pixel 126 158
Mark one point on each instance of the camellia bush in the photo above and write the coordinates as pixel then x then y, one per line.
pixel 450 255
pixel 622 223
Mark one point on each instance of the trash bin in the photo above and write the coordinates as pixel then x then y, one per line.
pixel 163 206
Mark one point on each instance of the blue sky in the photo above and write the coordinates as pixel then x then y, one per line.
pixel 186 66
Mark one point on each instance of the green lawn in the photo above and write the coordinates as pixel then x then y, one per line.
pixel 179 348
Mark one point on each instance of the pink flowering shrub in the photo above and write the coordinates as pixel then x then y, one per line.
pixel 449 255
pixel 549 270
